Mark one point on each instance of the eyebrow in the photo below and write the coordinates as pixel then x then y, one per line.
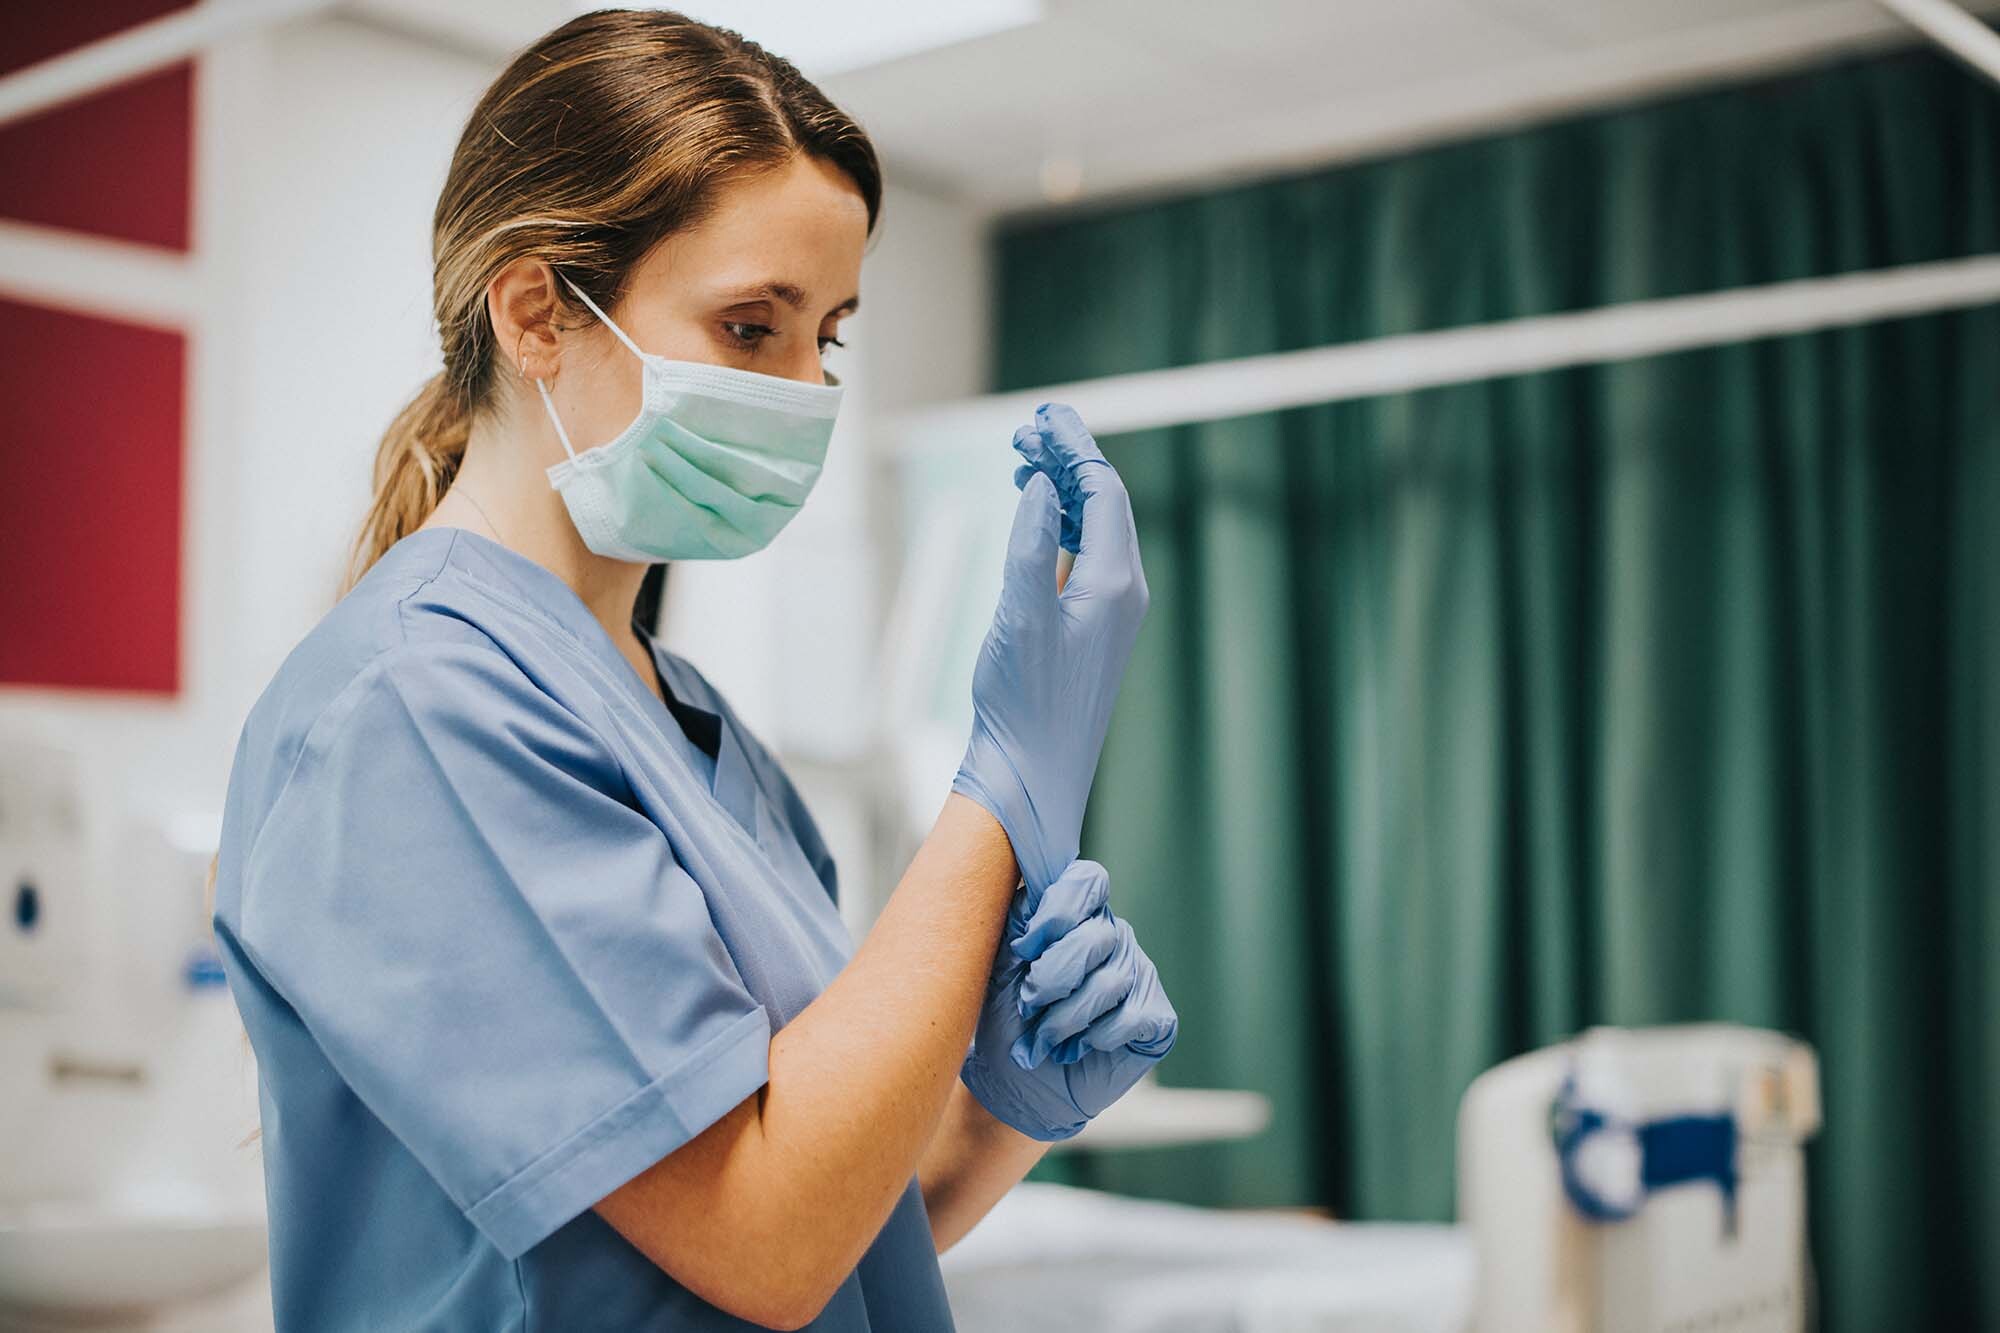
pixel 790 293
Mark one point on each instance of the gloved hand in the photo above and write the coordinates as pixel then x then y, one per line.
pixel 1049 669
pixel 1069 981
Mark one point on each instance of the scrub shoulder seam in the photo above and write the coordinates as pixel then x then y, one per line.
pixel 326 726
pixel 339 701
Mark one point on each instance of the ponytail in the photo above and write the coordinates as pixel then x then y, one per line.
pixel 414 466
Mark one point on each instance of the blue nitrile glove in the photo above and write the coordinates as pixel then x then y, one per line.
pixel 1113 1021
pixel 1089 987
pixel 1032 444
pixel 1049 669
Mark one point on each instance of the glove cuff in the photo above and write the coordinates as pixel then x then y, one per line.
pixel 1000 1100
pixel 1006 799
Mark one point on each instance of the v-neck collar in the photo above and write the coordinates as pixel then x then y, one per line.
pixel 538 590
pixel 733 780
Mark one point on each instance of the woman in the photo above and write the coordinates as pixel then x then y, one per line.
pixel 557 1024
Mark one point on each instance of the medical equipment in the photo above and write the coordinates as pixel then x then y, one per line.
pixel 714 466
pixel 1049 667
pixel 1054 1100
pixel 1635 1181
pixel 41 873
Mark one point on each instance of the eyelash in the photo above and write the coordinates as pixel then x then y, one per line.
pixel 764 331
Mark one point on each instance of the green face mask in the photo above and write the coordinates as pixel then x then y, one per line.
pixel 715 464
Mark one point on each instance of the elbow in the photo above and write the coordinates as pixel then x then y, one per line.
pixel 766 1303
pixel 780 1296
pixel 784 1310
pixel 791 1319
pixel 801 1303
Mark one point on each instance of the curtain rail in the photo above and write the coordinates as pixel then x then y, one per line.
pixel 1953 29
pixel 1215 390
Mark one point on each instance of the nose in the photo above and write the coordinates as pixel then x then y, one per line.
pixel 812 372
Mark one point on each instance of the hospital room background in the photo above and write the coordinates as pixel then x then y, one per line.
pixel 1564 439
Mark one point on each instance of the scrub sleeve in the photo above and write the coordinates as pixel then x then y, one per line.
pixel 494 947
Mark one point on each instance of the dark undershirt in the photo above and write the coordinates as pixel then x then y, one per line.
pixel 702 727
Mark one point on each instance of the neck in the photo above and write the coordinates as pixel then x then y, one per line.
pixel 500 493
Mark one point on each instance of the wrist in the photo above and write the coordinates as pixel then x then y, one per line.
pixel 988 1132
pixel 987 777
pixel 968 821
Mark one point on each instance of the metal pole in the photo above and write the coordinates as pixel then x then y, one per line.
pixel 1214 390
pixel 1955 30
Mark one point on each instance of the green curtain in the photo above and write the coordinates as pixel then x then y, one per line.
pixel 1655 692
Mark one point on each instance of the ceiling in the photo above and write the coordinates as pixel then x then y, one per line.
pixel 1104 100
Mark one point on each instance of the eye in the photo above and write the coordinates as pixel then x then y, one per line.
pixel 747 337
pixel 750 335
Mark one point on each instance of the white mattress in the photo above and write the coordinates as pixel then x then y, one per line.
pixel 1060 1260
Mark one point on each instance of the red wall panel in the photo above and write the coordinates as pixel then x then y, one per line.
pixel 114 164
pixel 91 427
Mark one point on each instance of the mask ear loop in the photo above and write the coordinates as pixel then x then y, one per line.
pixel 555 420
pixel 585 296
pixel 550 404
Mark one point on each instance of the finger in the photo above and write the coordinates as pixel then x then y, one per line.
pixel 1031 546
pixel 1065 437
pixel 1072 514
pixel 1062 968
pixel 1072 527
pixel 1133 1023
pixel 1082 888
pixel 1107 548
pixel 1100 991
pixel 1033 445
pixel 1107 555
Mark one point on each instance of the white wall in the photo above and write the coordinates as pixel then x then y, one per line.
pixel 319 153
pixel 325 307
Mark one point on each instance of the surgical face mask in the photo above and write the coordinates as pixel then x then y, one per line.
pixel 715 464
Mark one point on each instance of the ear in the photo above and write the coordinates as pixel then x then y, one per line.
pixel 521 303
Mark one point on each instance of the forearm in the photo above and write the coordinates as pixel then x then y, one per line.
pixel 860 1078
pixel 769 1208
pixel 972 1160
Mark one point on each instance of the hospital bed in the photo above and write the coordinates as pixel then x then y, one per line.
pixel 1720 1253
pixel 1693 1220
pixel 1057 1259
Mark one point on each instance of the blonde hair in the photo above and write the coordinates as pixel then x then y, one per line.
pixel 597 142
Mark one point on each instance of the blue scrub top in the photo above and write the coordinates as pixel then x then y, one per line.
pixel 504 932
